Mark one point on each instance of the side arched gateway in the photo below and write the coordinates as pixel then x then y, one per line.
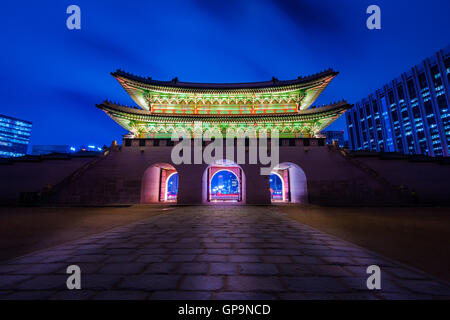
pixel 159 184
pixel 288 184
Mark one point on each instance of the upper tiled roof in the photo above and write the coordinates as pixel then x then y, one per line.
pixel 274 83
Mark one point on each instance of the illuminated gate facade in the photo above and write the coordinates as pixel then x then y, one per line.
pixel 273 109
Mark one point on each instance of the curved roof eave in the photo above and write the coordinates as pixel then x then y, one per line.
pixel 274 83
pixel 318 111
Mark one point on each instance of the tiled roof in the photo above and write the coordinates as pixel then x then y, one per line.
pixel 304 114
pixel 274 83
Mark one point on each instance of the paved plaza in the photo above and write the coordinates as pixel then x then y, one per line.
pixel 229 252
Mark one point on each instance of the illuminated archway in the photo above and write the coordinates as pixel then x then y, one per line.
pixel 223 181
pixel 159 184
pixel 294 187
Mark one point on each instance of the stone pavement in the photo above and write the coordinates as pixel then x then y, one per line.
pixel 204 252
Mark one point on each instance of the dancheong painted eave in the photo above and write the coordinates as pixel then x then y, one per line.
pixel 142 123
pixel 289 95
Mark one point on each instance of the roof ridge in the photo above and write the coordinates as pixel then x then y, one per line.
pixel 176 83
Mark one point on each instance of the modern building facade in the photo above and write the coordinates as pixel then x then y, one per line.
pixel 409 115
pixel 14 136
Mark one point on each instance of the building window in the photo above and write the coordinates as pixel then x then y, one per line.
pixel 423 80
pixel 411 89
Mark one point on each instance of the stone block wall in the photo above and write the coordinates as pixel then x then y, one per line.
pixel 331 179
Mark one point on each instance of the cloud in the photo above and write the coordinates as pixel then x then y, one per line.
pixel 311 16
pixel 77 97
pixel 107 48
pixel 223 10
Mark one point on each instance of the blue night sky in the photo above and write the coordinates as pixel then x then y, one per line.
pixel 53 76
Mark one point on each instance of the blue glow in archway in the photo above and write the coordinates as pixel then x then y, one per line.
pixel 224 186
pixel 276 187
pixel 172 187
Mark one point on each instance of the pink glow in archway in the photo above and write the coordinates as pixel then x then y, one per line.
pixel 154 187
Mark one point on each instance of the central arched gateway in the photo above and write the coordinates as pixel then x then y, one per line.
pixel 223 181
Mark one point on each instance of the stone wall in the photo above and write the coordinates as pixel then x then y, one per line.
pixel 28 178
pixel 429 180
pixel 331 179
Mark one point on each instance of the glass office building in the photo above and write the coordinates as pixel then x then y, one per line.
pixel 14 137
pixel 409 115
